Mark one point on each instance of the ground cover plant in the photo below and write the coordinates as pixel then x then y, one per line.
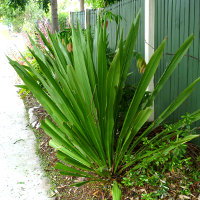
pixel 82 95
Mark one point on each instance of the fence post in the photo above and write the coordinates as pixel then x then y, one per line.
pixel 87 18
pixel 149 38
pixel 70 18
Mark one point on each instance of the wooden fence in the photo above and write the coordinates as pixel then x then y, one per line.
pixel 176 20
pixel 78 17
pixel 127 9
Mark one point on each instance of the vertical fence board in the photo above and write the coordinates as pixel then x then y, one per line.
pixel 93 19
pixel 78 17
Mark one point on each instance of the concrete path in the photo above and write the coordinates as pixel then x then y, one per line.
pixel 21 176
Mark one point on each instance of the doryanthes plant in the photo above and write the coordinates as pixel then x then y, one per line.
pixel 82 95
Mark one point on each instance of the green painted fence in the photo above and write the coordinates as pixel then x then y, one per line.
pixel 127 9
pixel 78 17
pixel 93 17
pixel 176 20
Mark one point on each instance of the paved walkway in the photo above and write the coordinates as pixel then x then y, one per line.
pixel 21 176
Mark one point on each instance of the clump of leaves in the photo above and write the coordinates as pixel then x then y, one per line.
pixel 82 95
pixel 152 182
pixel 154 176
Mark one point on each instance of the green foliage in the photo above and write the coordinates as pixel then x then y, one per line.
pixel 17 3
pixel 82 95
pixel 108 15
pixel 32 14
pixel 66 35
pixel 28 56
pixel 100 3
pixel 11 16
pixel 22 19
pixel 62 20
pixel 64 5
pixel 16 18
pixel 154 173
pixel 127 96
pixel 21 4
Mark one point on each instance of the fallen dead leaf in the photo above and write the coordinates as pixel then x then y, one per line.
pixel 183 197
pixel 80 179
pixel 143 190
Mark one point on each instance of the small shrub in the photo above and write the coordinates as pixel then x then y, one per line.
pixel 82 95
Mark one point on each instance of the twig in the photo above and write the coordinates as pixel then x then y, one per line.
pixel 172 54
pixel 149 45
pixel 187 55
pixel 18 141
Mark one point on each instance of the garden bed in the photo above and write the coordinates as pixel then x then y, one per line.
pixel 179 183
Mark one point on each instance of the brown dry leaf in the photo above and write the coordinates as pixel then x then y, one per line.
pixel 183 197
pixel 80 179
pixel 173 186
pixel 143 190
pixel 184 187
pixel 70 47
pixel 62 186
pixel 95 193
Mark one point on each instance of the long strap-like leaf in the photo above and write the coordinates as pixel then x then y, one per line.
pixel 133 108
pixel 172 66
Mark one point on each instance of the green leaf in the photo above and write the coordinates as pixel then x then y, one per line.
pixel 169 110
pixel 79 183
pixel 71 170
pixel 155 154
pixel 139 121
pixel 22 86
pixel 116 192
pixel 140 91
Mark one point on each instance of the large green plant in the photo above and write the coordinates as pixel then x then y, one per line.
pixel 82 95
